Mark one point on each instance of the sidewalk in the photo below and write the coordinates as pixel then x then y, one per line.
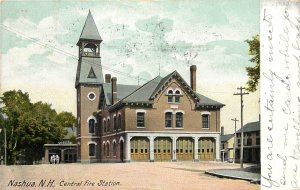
pixel 248 174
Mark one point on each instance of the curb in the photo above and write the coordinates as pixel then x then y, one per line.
pixel 251 180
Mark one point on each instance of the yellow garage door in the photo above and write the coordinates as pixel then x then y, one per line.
pixel 162 149
pixel 139 149
pixel 185 148
pixel 206 149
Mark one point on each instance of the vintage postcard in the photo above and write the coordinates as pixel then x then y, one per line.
pixel 149 94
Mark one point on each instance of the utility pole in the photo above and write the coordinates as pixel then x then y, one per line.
pixel 235 120
pixel 241 93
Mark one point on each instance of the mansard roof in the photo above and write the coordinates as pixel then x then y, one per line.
pixel 146 93
pixel 89 71
pixel 90 31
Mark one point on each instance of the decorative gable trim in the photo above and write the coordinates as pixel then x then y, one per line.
pixel 175 75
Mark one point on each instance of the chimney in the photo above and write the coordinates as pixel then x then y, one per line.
pixel 113 90
pixel 193 70
pixel 222 130
pixel 107 78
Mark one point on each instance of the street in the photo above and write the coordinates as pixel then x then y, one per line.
pixel 137 175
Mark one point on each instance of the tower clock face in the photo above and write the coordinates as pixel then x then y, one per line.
pixel 91 96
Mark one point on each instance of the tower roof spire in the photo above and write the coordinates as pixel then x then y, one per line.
pixel 90 31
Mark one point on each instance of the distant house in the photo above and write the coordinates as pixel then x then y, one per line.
pixel 251 143
pixel 227 147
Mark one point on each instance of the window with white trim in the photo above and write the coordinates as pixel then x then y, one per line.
pixel 140 119
pixel 179 120
pixel 174 97
pixel 168 119
pixel 170 96
pixel 177 96
pixel 205 121
pixel 92 126
pixel 91 96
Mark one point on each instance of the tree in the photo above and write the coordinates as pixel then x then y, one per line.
pixel 66 119
pixel 31 125
pixel 253 72
pixel 15 104
pixel 38 127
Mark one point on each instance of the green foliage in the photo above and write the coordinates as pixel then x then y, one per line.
pixel 66 119
pixel 31 125
pixel 253 72
pixel 73 139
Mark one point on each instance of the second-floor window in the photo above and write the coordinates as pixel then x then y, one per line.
pixel 168 119
pixel 140 119
pixel 205 121
pixel 91 126
pixel 179 120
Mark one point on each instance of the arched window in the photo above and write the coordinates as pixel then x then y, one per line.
pixel 119 122
pixel 168 119
pixel 114 149
pixel 91 126
pixel 170 96
pixel 115 123
pixel 177 96
pixel 104 149
pixel 104 126
pixel 179 120
pixel 107 149
pixel 92 150
pixel 108 125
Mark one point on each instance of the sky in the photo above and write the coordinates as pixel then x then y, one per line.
pixel 141 39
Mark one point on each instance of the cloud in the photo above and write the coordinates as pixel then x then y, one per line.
pixel 138 39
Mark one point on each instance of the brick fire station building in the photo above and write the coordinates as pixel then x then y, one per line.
pixel 164 119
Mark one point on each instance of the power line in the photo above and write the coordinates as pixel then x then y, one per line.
pixel 76 58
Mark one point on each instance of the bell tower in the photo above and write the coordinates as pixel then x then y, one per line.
pixel 88 82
